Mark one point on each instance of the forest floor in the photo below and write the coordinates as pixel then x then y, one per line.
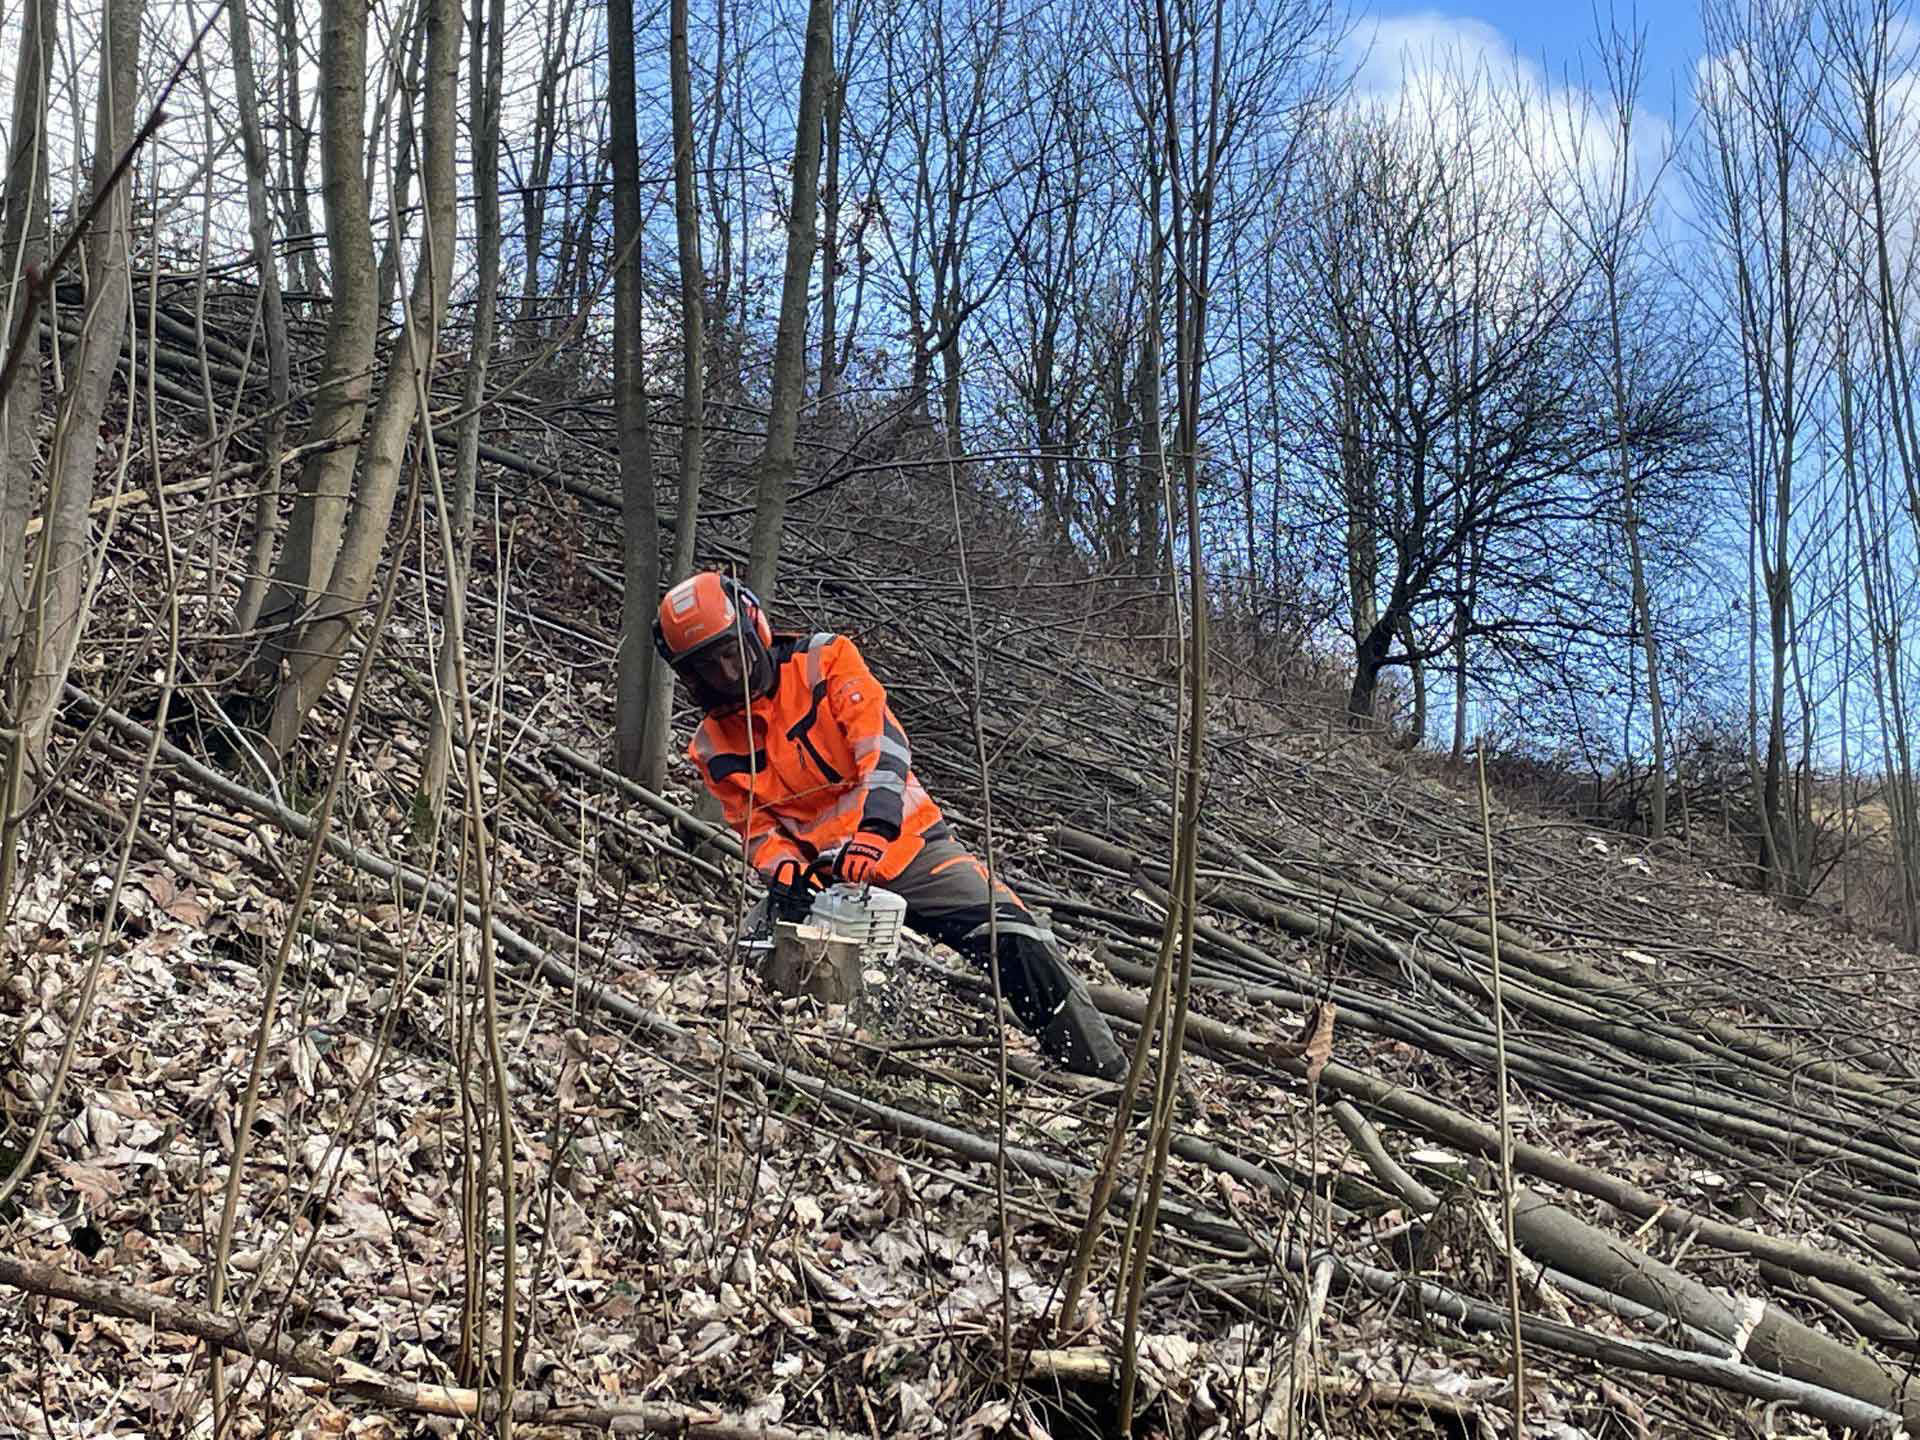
pixel 735 1211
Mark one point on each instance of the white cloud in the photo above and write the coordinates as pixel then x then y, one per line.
pixel 1392 55
pixel 1450 76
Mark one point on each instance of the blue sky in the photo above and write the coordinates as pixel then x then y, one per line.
pixel 1554 37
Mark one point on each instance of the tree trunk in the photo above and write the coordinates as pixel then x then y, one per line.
pixel 1637 571
pixel 719 202
pixel 399 197
pixel 1416 733
pixel 533 190
pixel 345 383
pixel 693 349
pixel 578 277
pixel 635 676
pixel 1775 822
pixel 789 350
pixel 693 297
pixel 1152 544
pixel 836 101
pixel 61 590
pixel 1359 499
pixel 296 142
pixel 483 98
pixel 1368 661
pixel 322 645
pixel 1457 752
pixel 273 321
pixel 23 244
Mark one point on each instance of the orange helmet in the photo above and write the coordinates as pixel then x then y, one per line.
pixel 713 632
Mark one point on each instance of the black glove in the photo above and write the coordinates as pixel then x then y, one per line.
pixel 789 897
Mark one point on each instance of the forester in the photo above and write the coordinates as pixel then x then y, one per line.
pixel 814 771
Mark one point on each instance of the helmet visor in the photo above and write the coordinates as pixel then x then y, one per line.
pixel 721 677
pixel 722 669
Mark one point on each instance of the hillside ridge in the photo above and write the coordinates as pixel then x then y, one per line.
pixel 1709 1092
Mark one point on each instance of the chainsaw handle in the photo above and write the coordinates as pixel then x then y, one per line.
pixel 791 874
pixel 792 886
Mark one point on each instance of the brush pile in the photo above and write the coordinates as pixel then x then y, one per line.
pixel 739 1215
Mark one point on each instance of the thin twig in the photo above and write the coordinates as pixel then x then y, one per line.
pixel 1506 1114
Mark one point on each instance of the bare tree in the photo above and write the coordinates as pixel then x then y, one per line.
pixel 638 754
pixel 273 321
pixel 1874 282
pixel 1070 334
pixel 693 363
pixel 345 384
pixel 1761 192
pixel 23 252
pixel 774 469
pixel 1622 59
pixel 391 151
pixel 556 41
pixel 1441 324
pixel 833 142
pixel 486 29
pixel 295 137
pixel 61 592
pixel 306 654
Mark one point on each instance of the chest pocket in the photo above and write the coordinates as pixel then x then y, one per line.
pixel 810 746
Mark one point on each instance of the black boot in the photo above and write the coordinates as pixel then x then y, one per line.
pixel 1050 1000
pixel 1079 1038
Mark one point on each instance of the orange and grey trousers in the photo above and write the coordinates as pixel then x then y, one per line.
pixel 949 897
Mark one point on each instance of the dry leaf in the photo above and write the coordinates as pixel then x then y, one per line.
pixel 1316 1040
pixel 97 1187
pixel 1626 1405
pixel 187 910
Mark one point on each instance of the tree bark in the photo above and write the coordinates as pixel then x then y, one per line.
pixel 1152 544
pixel 719 202
pixel 23 248
pixel 790 353
pixel 273 321
pixel 400 159
pixel 693 293
pixel 533 190
pixel 693 352
pixel 322 644
pixel 345 383
pixel 835 107
pixel 61 582
pixel 1416 732
pixel 296 144
pixel 635 676
pixel 1368 661
pixel 1642 598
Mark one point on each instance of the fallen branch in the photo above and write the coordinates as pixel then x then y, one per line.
pixel 348 1379
pixel 1860 1416
pixel 1087 1366
pixel 1471 1135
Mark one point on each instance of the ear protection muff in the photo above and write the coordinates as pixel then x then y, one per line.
pixel 751 602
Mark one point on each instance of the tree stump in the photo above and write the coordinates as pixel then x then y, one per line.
pixel 806 960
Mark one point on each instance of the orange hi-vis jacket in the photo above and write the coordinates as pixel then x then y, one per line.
pixel 802 771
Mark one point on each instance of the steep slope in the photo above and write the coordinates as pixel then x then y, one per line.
pixel 735 1210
